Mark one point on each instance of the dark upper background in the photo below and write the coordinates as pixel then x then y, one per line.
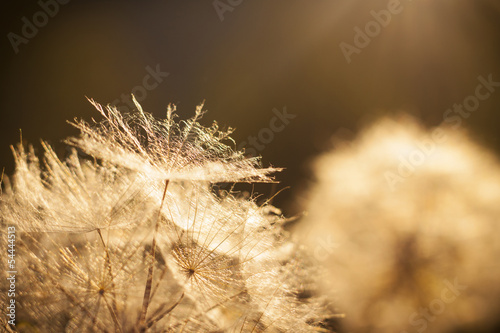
pixel 263 55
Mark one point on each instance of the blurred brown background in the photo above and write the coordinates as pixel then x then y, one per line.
pixel 245 59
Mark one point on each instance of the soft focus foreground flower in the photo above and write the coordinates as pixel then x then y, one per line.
pixel 410 222
pixel 218 262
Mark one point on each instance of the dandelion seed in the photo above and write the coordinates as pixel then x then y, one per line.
pixel 74 196
pixel 166 149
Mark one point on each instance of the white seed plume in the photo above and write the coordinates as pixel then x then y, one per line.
pixel 166 149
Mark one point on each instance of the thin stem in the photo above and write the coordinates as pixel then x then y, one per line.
pixel 149 281
pixel 160 315
pixel 114 308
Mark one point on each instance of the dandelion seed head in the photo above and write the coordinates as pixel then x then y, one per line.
pixel 136 240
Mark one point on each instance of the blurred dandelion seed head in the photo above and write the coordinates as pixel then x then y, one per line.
pixel 396 246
